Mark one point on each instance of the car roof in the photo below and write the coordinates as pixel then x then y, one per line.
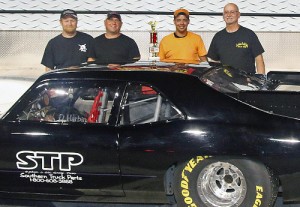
pixel 141 72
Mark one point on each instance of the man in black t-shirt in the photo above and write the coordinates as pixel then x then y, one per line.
pixel 113 47
pixel 70 48
pixel 237 46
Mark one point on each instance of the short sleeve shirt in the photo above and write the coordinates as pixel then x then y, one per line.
pixel 120 50
pixel 238 49
pixel 186 49
pixel 62 52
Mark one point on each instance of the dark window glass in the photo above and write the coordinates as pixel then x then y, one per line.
pixel 143 104
pixel 70 102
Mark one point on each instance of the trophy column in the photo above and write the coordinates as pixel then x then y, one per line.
pixel 153 46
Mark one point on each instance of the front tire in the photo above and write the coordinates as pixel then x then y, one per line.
pixel 224 182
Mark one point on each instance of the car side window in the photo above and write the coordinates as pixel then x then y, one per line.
pixel 143 104
pixel 70 102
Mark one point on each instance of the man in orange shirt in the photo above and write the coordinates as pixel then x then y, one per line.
pixel 182 46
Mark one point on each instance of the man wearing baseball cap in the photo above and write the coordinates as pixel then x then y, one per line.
pixel 113 47
pixel 70 48
pixel 182 46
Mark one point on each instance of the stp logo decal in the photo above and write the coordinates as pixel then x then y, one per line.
pixel 30 160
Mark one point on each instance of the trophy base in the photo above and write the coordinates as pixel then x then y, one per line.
pixel 154 58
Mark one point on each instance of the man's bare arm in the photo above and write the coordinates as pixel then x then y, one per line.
pixel 47 69
pixel 203 59
pixel 260 64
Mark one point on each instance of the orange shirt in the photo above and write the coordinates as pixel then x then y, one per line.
pixel 187 49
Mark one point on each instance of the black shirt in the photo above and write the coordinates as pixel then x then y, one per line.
pixel 237 49
pixel 62 52
pixel 118 50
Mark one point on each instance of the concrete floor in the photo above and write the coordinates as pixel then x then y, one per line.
pixel 10 91
pixel 25 203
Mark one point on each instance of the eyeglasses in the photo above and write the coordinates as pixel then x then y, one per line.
pixel 230 12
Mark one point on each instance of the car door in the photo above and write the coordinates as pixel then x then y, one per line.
pixel 61 138
pixel 146 127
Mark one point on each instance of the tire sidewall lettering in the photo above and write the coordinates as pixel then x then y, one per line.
pixel 259 196
pixel 184 183
pixel 261 184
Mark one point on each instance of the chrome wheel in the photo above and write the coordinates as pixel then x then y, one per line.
pixel 221 184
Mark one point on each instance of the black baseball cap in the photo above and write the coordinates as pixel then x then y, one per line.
pixel 114 14
pixel 68 13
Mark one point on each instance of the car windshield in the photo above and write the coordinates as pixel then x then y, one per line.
pixel 230 80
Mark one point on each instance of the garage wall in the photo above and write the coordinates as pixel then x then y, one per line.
pixel 262 15
pixel 26 26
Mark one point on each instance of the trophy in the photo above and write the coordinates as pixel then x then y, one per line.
pixel 153 47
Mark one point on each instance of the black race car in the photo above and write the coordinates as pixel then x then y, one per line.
pixel 195 135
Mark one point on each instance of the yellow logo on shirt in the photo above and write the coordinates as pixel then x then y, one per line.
pixel 242 45
pixel 227 72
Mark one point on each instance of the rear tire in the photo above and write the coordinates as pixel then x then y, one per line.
pixel 224 182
